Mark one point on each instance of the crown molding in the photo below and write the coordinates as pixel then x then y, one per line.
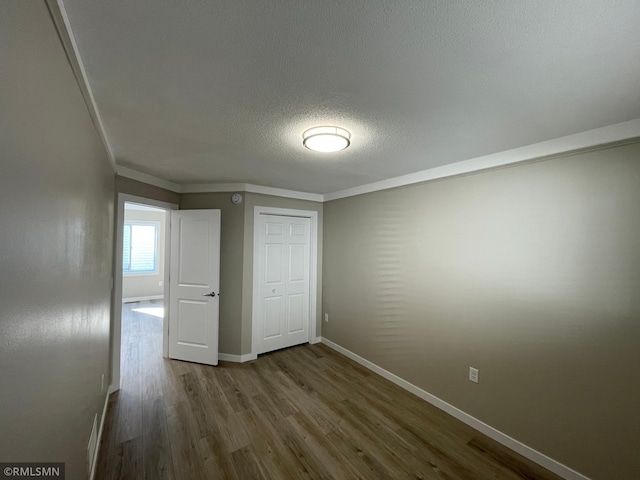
pixel 251 188
pixel 280 192
pixel 150 179
pixel 216 187
pixel 578 141
pixel 212 187
pixel 65 34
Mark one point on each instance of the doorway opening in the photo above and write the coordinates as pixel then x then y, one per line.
pixel 143 306
pixel 139 328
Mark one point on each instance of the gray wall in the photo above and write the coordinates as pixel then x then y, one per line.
pixel 231 251
pixel 236 260
pixel 56 198
pixel 141 189
pixel 529 273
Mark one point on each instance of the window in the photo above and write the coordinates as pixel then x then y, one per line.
pixel 140 248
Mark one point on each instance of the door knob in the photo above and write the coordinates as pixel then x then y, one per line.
pixel 212 294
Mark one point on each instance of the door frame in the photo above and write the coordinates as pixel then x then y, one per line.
pixel 116 337
pixel 256 313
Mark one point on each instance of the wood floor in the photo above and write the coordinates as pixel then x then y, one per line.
pixel 304 412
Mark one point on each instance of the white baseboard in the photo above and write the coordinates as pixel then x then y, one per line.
pixel 506 440
pixel 228 357
pixel 142 299
pixel 316 340
pixel 99 442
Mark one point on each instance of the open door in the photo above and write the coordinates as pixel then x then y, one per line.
pixel 194 286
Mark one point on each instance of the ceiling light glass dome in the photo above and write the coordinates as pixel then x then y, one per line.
pixel 326 139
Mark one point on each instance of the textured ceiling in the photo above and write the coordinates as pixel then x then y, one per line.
pixel 218 91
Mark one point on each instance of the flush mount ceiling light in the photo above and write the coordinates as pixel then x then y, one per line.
pixel 326 139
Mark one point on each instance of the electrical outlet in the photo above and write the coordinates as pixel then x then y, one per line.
pixel 160 283
pixel 473 374
pixel 326 317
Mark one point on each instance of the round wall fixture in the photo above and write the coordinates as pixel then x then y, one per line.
pixel 236 198
pixel 326 139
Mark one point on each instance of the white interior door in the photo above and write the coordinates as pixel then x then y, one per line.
pixel 283 281
pixel 194 286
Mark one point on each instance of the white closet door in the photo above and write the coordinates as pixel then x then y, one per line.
pixel 284 250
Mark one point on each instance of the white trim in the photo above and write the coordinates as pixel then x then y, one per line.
pixel 213 187
pixel 229 357
pixel 134 207
pixel 315 340
pixel 142 299
pixel 149 179
pixel 94 461
pixel 216 187
pixel 590 138
pixel 313 269
pixel 116 340
pixel 518 447
pixel 68 39
pixel 248 187
pixel 280 192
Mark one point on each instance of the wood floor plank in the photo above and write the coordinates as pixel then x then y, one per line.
pixel 235 396
pixel 217 461
pixel 156 447
pixel 328 453
pixel 248 465
pixel 393 453
pixel 185 453
pixel 305 412
pixel 129 400
pixel 246 379
pixel 229 426
pixel 307 460
pixel 507 458
pixel 310 403
pixel 265 372
pixel 357 456
pixel 129 460
pixel 266 439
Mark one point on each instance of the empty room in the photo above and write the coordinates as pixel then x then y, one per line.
pixel 260 239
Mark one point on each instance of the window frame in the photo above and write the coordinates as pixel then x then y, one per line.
pixel 156 249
